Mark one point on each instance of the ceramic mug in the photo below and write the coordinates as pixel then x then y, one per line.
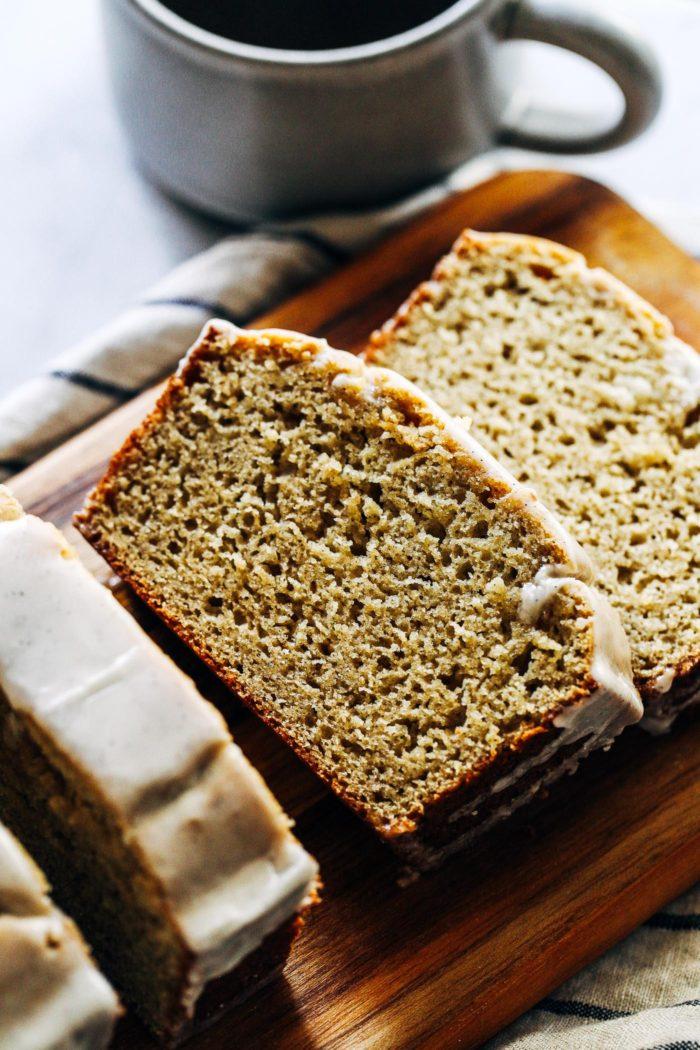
pixel 247 132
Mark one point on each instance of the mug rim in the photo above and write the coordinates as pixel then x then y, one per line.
pixel 158 12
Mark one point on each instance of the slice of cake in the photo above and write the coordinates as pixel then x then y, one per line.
pixel 159 838
pixel 581 389
pixel 368 579
pixel 52 996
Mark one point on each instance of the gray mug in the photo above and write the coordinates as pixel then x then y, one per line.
pixel 248 132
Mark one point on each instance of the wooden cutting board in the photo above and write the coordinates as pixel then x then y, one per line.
pixel 450 959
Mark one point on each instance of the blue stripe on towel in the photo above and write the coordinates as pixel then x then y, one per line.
pixel 13 466
pixel 95 385
pixel 665 920
pixel 683 1044
pixel 576 1008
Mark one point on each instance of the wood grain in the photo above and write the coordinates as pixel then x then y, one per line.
pixel 448 960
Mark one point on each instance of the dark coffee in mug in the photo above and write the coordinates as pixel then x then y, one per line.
pixel 307 25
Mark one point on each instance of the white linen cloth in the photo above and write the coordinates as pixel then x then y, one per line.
pixel 643 994
pixel 237 279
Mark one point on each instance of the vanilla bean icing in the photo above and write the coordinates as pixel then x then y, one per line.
pixel 130 723
pixel 51 993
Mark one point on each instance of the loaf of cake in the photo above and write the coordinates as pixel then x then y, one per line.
pixel 369 580
pixel 581 389
pixel 52 996
pixel 158 837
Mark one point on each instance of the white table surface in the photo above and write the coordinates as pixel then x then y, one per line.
pixel 83 233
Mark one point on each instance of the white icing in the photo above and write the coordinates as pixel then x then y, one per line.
pixel 664 682
pixel 616 703
pixel 23 888
pixel 684 365
pixel 51 993
pixel 76 661
pixel 538 592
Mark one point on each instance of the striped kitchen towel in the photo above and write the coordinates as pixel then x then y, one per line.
pixel 240 277
pixel 642 995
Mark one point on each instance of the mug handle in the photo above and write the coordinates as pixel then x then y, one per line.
pixel 606 42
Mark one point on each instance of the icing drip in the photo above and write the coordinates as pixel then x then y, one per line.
pixel 162 758
pixel 538 592
pixel 616 703
pixel 684 365
pixel 51 993
pixel 664 682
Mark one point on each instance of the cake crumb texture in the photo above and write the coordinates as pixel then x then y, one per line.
pixel 582 390
pixel 343 556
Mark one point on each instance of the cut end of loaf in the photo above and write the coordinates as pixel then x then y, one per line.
pixel 581 389
pixel 353 564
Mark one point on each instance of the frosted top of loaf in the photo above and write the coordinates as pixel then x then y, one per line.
pixel 23 888
pixel 158 754
pixel 50 989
